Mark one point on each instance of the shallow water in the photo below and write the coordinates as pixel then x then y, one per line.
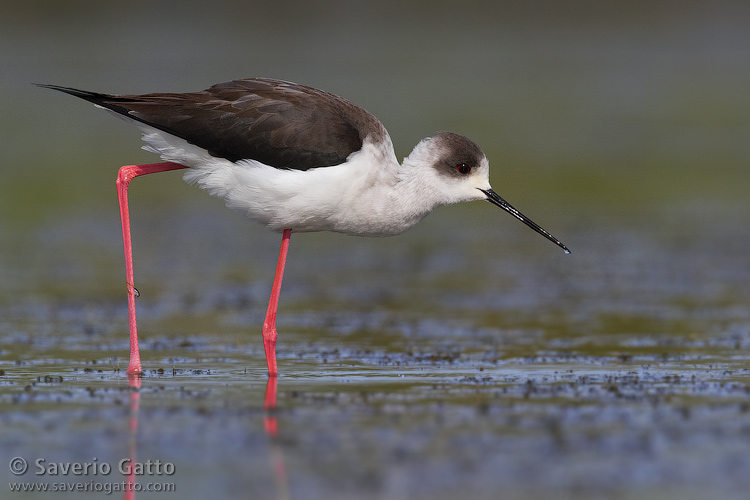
pixel 412 367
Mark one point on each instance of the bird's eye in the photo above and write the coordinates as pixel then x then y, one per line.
pixel 463 168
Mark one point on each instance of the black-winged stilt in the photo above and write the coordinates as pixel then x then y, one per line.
pixel 297 158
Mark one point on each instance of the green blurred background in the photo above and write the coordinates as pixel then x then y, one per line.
pixel 607 123
pixel 594 104
pixel 613 118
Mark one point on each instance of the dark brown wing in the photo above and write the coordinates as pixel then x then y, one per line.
pixel 278 123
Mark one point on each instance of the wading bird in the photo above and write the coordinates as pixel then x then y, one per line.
pixel 294 158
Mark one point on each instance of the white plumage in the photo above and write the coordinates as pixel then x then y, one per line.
pixel 368 195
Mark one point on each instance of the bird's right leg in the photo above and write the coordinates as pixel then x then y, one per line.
pixel 269 325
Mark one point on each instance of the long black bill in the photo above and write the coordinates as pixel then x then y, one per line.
pixel 495 199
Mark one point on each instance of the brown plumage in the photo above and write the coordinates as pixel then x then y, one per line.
pixel 271 121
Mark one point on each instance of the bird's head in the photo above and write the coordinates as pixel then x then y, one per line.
pixel 452 168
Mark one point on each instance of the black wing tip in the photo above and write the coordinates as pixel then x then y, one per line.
pixel 107 101
pixel 67 90
pixel 94 97
pixel 49 86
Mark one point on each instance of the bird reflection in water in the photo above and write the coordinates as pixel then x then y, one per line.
pixel 270 425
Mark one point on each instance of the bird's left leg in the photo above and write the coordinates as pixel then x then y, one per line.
pixel 124 176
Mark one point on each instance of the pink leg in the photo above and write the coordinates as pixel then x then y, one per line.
pixel 269 325
pixel 124 176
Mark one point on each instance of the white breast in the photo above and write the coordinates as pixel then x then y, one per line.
pixel 365 196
